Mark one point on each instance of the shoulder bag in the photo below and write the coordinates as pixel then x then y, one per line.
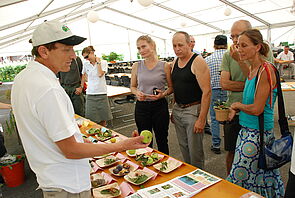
pixel 278 152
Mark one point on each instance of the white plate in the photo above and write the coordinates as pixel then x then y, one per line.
pixel 121 173
pixel 97 191
pixel 171 165
pixel 101 162
pixel 137 152
pixel 132 175
pixel 95 177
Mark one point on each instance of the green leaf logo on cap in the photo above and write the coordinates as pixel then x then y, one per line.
pixel 65 28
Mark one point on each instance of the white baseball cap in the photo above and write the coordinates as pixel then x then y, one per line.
pixel 54 31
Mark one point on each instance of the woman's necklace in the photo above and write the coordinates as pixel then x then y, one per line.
pixel 253 72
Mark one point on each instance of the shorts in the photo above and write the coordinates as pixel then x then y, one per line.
pixel 231 132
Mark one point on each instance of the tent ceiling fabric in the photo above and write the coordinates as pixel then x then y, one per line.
pixel 161 19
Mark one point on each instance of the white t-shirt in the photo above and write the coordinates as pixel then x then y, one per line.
pixel 289 56
pixel 96 85
pixel 44 115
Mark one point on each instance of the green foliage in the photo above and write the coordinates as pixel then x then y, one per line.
pixel 11 124
pixel 220 105
pixel 138 55
pixel 9 162
pixel 8 73
pixel 113 56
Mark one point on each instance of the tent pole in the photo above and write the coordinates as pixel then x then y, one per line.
pixel 165 48
pixel 89 34
pixel 129 44
pixel 269 34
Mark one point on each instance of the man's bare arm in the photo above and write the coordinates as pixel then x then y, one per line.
pixel 229 85
pixel 201 70
pixel 76 150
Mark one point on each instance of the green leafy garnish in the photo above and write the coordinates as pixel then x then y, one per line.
pixel 93 131
pixel 111 191
pixel 139 179
pixel 164 166
pixel 109 160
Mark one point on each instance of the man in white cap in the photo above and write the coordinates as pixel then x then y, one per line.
pixel 45 117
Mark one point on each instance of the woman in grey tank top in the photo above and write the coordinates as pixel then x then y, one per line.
pixel 148 80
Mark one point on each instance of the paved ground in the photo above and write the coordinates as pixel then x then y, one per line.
pixel 215 164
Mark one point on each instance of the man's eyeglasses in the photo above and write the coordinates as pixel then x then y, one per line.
pixel 87 56
pixel 232 37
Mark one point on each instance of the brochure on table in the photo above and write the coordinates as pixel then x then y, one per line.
pixel 183 186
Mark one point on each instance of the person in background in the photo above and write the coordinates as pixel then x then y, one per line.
pixel 97 104
pixel 259 96
pixel 3 150
pixel 218 95
pixel 192 92
pixel 71 82
pixel 288 58
pixel 233 81
pixel 45 119
pixel 193 42
pixel 148 80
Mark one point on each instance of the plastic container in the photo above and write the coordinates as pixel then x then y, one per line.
pixel 14 174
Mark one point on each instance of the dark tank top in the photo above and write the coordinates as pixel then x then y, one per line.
pixel 185 85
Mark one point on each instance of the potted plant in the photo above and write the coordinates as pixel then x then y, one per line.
pixel 12 170
pixel 221 111
pixel 8 73
pixel 112 57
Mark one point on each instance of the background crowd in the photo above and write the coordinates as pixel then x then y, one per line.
pixel 229 74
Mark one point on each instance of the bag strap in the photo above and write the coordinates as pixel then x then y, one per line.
pixel 284 128
pixel 283 122
pixel 261 120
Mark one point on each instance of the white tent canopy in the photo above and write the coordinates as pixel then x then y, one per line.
pixel 121 22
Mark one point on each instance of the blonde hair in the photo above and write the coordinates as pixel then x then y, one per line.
pixel 149 40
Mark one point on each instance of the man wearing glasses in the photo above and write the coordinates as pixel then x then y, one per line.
pixel 233 80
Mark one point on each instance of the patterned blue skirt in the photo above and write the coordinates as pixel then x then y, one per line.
pixel 245 172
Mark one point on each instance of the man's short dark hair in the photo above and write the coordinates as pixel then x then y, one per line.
pixel 49 46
